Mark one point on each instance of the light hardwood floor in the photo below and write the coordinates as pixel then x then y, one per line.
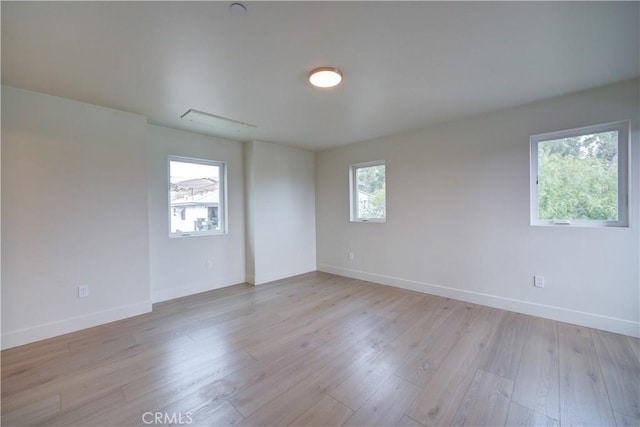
pixel 319 349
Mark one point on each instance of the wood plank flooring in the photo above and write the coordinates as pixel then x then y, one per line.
pixel 323 350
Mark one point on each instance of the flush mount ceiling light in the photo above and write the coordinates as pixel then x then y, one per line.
pixel 325 77
pixel 238 9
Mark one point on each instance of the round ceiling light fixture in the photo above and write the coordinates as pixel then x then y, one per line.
pixel 325 77
pixel 238 9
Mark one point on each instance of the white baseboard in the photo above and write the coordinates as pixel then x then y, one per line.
pixel 251 279
pixel 264 279
pixel 591 320
pixel 191 289
pixel 48 330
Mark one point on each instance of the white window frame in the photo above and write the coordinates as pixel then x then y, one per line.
pixel 623 174
pixel 353 192
pixel 222 191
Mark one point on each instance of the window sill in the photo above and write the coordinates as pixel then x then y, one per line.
pixel 580 224
pixel 194 234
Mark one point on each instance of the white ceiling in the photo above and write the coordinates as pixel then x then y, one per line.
pixel 406 64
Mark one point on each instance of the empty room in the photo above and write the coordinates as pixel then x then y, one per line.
pixel 320 213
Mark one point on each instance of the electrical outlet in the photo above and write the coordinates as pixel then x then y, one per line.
pixel 83 291
pixel 350 255
pixel 538 281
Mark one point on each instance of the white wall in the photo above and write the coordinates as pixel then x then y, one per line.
pixel 281 239
pixel 458 217
pixel 179 265
pixel 74 212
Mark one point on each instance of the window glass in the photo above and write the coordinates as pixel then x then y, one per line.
pixel 196 196
pixel 368 192
pixel 580 177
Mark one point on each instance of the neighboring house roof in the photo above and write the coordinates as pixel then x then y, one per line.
pixel 210 197
pixel 363 194
pixel 195 192
pixel 200 184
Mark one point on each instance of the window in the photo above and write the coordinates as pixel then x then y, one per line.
pixel 580 177
pixel 368 192
pixel 196 197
